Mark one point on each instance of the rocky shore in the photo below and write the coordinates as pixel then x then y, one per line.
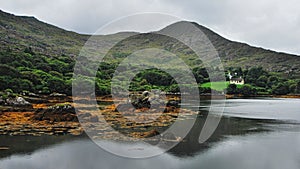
pixel 21 123
pixel 56 115
pixel 38 115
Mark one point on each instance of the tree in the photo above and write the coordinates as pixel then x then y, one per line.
pixel 143 82
pixel 262 81
pixel 281 89
pixel 253 74
pixel 56 84
pixel 247 90
pixel 231 89
pixel 174 88
pixel 237 72
pixel 204 90
pixel 298 87
pixel 200 71
pixel 272 80
pixel 6 70
pixel 25 85
pixel 293 88
pixel 29 50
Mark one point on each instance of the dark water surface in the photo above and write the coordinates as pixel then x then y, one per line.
pixel 253 133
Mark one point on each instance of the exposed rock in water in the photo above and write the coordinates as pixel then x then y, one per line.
pixel 169 136
pixel 148 99
pixel 57 113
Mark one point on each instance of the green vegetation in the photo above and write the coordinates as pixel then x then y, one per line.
pixel 219 86
pixel 260 82
pixel 35 73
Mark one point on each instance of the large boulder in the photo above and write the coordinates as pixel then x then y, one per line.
pixel 147 98
pixel 173 103
pixel 17 101
pixel 57 113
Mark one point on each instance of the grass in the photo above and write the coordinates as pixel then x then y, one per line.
pixel 219 86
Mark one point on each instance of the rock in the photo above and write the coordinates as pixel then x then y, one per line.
pixel 17 101
pixel 145 134
pixel 88 117
pixel 21 101
pixel 173 103
pixel 169 136
pixel 169 109
pixel 75 132
pixel 85 115
pixel 146 93
pixel 27 93
pixel 146 99
pixel 123 107
pixel 57 95
pixel 32 94
pixel 4 148
pixel 94 119
pixel 141 103
pixel 151 133
pixel 57 113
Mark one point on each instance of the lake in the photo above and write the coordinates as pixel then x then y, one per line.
pixel 253 133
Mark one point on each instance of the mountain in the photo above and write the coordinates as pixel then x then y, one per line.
pixel 34 54
pixel 19 32
pixel 238 54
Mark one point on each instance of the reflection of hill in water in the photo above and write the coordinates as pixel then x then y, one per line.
pixel 29 144
pixel 189 147
pixel 227 126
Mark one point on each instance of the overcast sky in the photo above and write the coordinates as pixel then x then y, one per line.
pixel 271 24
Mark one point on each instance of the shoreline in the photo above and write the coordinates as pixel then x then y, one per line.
pixel 20 122
pixel 296 96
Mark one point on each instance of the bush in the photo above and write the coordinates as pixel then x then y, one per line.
pixel 203 90
pixel 262 81
pixel 231 89
pixel 173 88
pixel 247 90
pixel 253 74
pixel 281 89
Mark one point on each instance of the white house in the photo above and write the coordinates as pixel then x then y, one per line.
pixel 239 81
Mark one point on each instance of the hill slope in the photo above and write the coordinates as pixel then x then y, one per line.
pixel 237 54
pixel 36 56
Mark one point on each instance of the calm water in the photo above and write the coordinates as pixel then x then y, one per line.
pixel 254 133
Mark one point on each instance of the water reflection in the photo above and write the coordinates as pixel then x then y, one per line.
pixel 239 142
pixel 228 126
pixel 188 147
pixel 28 144
pixel 274 150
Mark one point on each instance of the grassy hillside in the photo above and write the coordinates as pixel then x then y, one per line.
pixel 39 57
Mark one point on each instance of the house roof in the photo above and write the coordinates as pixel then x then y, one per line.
pixel 236 79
